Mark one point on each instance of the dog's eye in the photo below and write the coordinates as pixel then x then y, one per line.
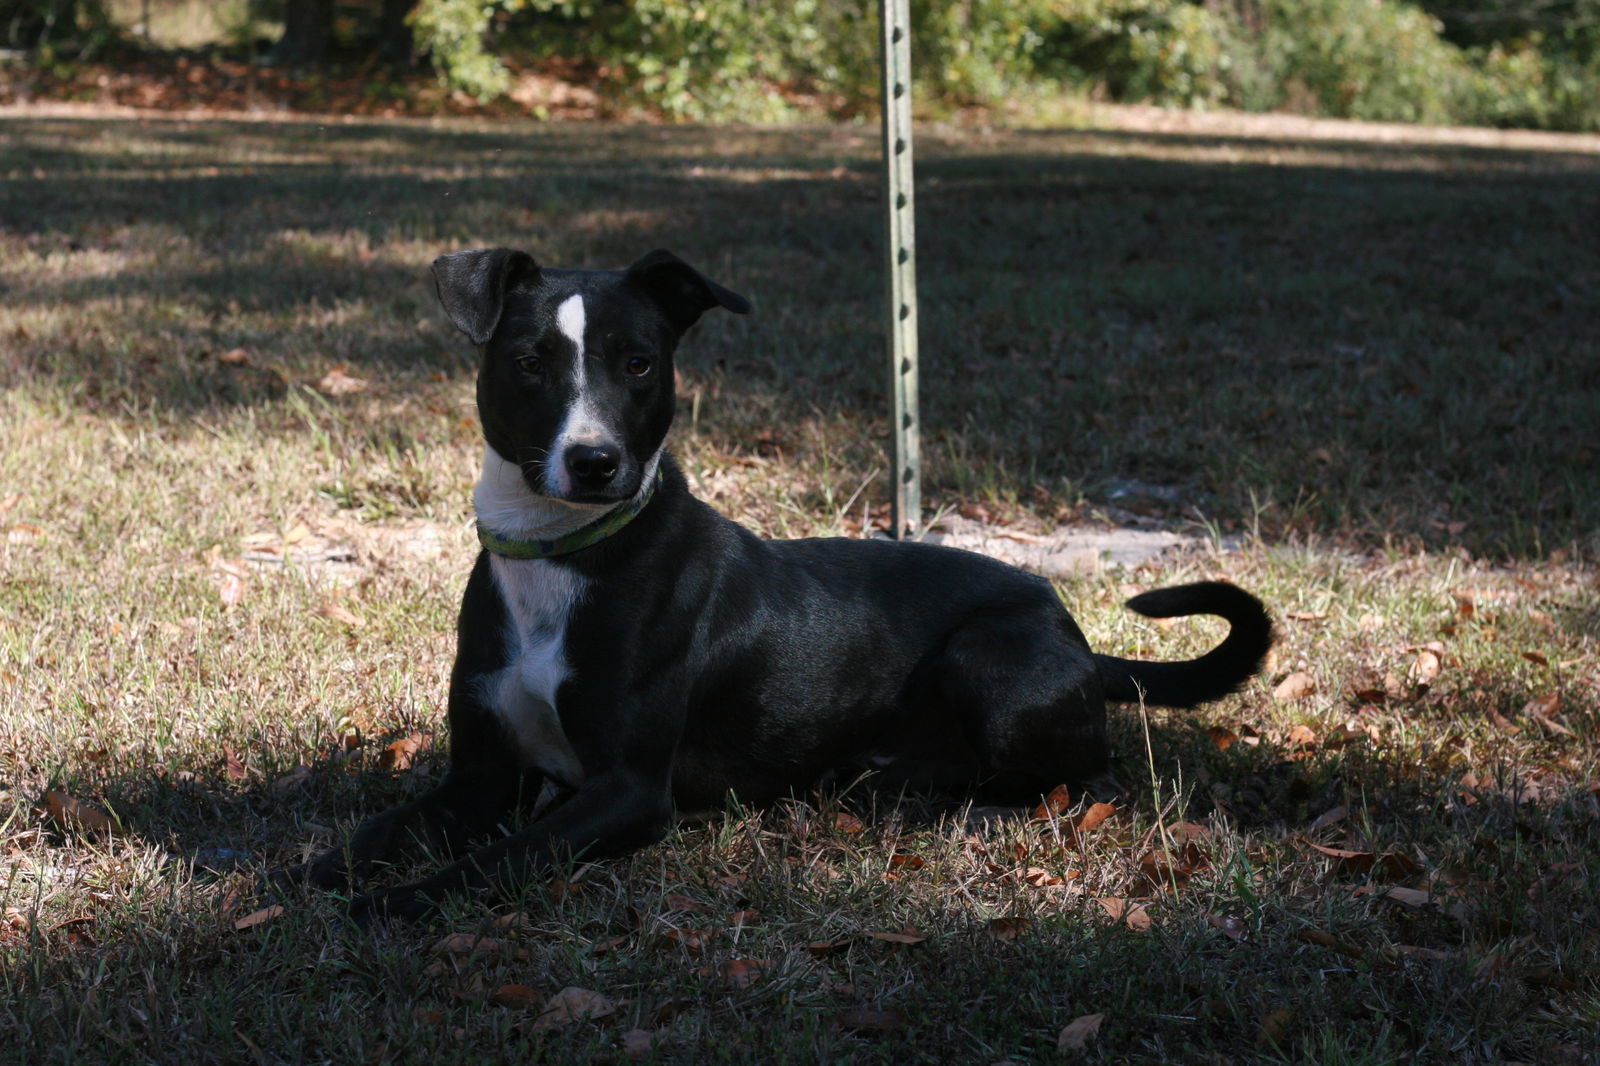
pixel 530 364
pixel 638 366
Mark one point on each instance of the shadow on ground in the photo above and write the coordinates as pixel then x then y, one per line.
pixel 1374 341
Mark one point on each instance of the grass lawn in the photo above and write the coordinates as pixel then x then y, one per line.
pixel 235 498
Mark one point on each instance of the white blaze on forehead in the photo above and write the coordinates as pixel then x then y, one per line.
pixel 584 422
pixel 570 320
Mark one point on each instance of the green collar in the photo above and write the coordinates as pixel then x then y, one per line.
pixel 577 540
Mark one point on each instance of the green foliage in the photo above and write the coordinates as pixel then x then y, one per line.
pixel 453 31
pixel 731 59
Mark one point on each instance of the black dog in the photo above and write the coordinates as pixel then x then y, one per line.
pixel 627 651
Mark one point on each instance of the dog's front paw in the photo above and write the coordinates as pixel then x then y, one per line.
pixel 403 906
pixel 328 872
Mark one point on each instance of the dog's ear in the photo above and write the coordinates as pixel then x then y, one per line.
pixel 473 285
pixel 682 291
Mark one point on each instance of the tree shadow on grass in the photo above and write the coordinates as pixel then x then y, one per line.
pixel 1367 340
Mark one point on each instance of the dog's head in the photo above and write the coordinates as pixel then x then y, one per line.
pixel 576 383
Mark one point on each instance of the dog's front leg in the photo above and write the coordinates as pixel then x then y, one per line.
pixel 611 815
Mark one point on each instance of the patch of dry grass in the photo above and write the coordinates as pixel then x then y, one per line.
pixel 1369 367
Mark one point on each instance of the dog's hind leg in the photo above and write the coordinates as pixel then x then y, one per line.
pixel 1026 691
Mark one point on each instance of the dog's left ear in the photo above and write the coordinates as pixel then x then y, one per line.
pixel 682 291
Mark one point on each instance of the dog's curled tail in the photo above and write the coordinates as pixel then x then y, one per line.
pixel 1220 671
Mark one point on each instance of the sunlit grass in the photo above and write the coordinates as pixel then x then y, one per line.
pixel 1365 372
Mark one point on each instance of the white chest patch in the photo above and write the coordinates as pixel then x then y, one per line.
pixel 539 596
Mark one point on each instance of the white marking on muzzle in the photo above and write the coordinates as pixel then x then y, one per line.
pixel 584 423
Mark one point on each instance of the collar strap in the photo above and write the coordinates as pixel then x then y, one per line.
pixel 577 540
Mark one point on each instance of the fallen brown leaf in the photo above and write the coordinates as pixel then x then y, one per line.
pixel 1223 738
pixel 260 917
pixel 1233 928
pixel 1136 916
pixel 741 973
pixel 574 1004
pixel 1091 818
pixel 72 814
pixel 690 940
pixel 337 382
pixel 1426 667
pixel 1411 897
pixel 1076 1034
pixel 399 755
pixel 820 948
pixel 1297 686
pixel 293 779
pixel 1053 805
pixel 1332 943
pixel 1009 928
pixel 516 997
pixel 637 1043
pixel 861 1020
pixel 1275 1028
pixel 339 613
pixel 1362 863
pixel 469 944
pixel 679 902
pixel 848 823
pixel 908 937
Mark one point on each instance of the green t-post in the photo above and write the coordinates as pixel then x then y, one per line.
pixel 900 247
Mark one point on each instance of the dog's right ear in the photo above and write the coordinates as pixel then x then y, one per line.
pixel 473 285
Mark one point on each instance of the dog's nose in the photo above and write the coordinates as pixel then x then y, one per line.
pixel 592 467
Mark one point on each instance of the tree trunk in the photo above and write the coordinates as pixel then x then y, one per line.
pixel 394 33
pixel 307 32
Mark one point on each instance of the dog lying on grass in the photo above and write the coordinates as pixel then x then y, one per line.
pixel 624 651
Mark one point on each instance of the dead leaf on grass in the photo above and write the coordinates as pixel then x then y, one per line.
pixel 848 824
pixel 260 917
pixel 1427 665
pixel 1332 943
pixel 1009 928
pixel 693 941
pixel 1076 1034
pixel 471 944
pixel 679 902
pixel 1535 657
pixel 1542 709
pixel 861 1020
pixel 1275 1028
pixel 637 1043
pixel 70 813
pixel 1410 897
pixel 1232 928
pixel 1362 863
pixel 1090 819
pixel 399 755
pixel 1297 686
pixel 23 533
pixel 337 612
pixel 574 1004
pixel 908 937
pixel 820 948
pixel 1332 816
pixel 293 779
pixel 1135 915
pixel 1054 805
pixel 1223 738
pixel 738 974
pixel 230 588
pixel 337 382
pixel 902 860
pixel 515 997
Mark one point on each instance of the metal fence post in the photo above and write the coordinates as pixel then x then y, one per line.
pixel 900 248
